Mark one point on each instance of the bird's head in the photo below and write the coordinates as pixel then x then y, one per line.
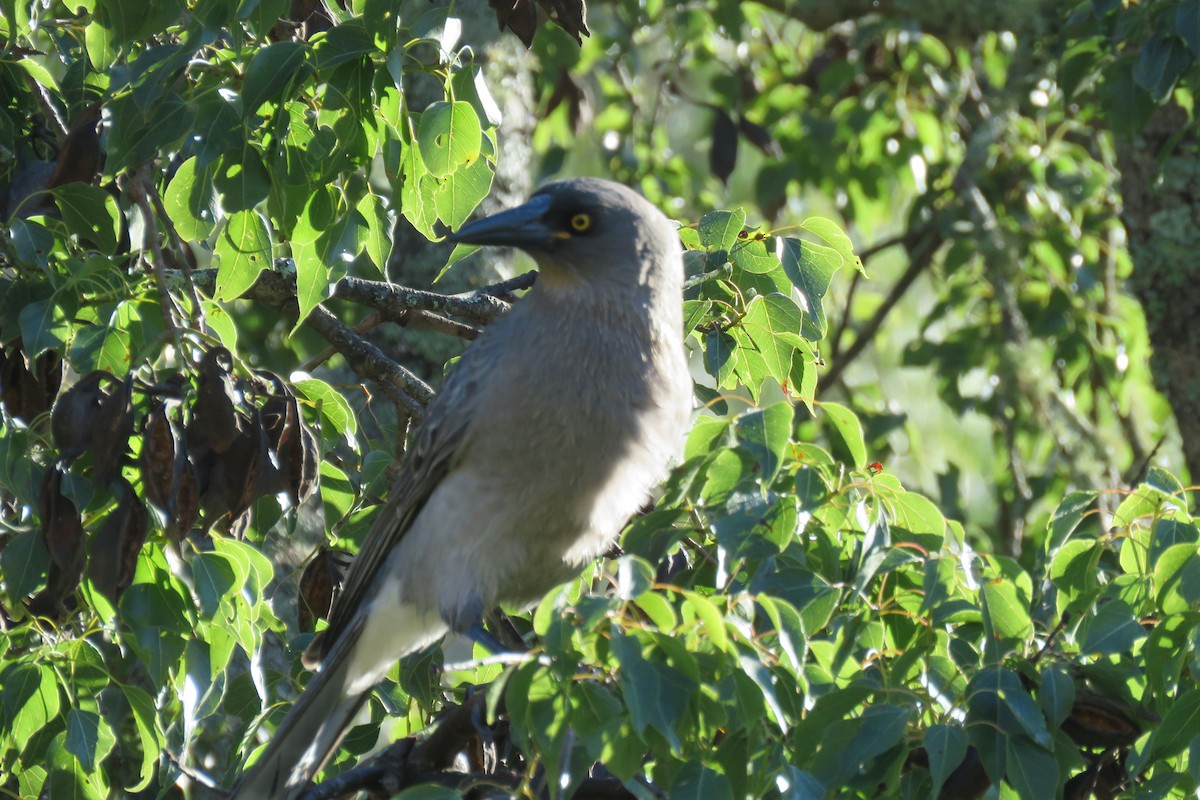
pixel 585 228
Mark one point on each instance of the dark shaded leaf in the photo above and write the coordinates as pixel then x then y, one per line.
pixel 760 137
pixel 722 155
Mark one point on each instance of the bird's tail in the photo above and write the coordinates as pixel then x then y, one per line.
pixel 305 738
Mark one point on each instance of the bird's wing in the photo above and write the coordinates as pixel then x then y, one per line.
pixel 436 448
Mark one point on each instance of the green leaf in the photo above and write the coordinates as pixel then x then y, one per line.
pixel 835 238
pixel 29 701
pixel 343 44
pixel 1113 630
pixel 699 782
pixel 1179 728
pixel 222 324
pixel 1056 695
pixel 44 326
pixel 708 614
pixel 189 201
pixel 1177 577
pixel 846 423
pixel 91 214
pixel 1162 60
pixel 882 729
pixel 773 324
pixel 417 201
pixel 656 693
pixel 1031 770
pixel 243 251
pixel 751 255
pixel 1006 612
pixel 333 407
pixel 145 719
pixel 460 192
pixel 449 137
pixel 379 225
pixel 215 579
pixel 810 267
pixel 273 69
pixel 101 46
pixel 88 738
pixel 254 570
pixel 946 747
pixel 218 127
pixel 766 683
pixel 241 180
pixel 765 435
pixel 721 358
pixel 313 282
pixel 719 229
pixel 104 347
pixel 1067 516
pixel 23 562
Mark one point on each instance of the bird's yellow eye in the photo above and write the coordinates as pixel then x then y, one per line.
pixel 581 223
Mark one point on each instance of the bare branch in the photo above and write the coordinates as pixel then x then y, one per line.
pixel 137 191
pixel 408 392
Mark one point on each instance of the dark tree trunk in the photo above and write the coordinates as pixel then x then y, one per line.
pixel 1160 187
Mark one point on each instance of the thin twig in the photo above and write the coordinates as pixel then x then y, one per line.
pixel 921 254
pixel 197 317
pixel 140 186
pixel 403 388
pixel 408 392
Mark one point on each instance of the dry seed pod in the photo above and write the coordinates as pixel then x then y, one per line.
pixel 114 426
pixel 62 533
pixel 186 501
pixel 294 446
pixel 114 550
pixel 214 416
pixel 282 427
pixel 319 586
pixel 73 419
pixel 570 15
pixel 235 480
pixel 1097 721
pixel 310 465
pixel 520 16
pixel 158 458
pixel 26 393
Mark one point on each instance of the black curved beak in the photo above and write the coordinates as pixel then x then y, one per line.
pixel 524 226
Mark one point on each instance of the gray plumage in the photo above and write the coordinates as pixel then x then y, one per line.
pixel 549 433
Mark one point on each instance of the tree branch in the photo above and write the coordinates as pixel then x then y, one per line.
pixel 921 249
pixel 480 306
pixel 408 392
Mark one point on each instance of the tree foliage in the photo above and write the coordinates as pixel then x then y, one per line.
pixel 925 539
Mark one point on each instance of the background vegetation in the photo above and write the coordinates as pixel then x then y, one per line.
pixel 931 536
